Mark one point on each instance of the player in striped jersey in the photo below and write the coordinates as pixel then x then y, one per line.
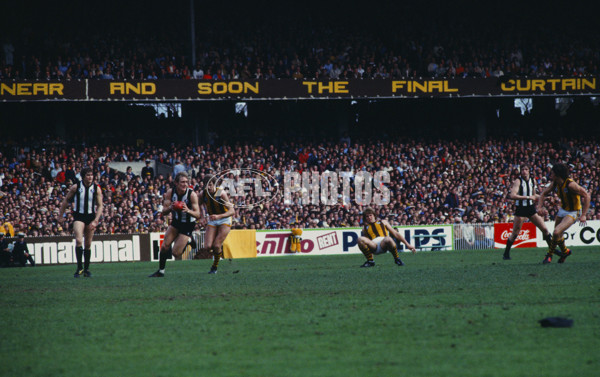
pixel 86 197
pixel 183 220
pixel 376 238
pixel 524 193
pixel 571 208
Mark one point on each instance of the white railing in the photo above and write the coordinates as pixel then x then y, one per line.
pixel 473 236
pixel 196 244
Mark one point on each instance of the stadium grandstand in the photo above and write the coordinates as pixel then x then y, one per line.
pixel 306 116
pixel 431 144
pixel 316 40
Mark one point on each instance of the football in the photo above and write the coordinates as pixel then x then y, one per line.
pixel 178 206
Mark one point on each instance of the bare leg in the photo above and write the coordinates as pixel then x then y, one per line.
pixel 221 233
pixel 517 225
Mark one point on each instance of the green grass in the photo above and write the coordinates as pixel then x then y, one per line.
pixel 443 314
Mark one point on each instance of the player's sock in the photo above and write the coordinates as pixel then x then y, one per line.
pixel 79 256
pixel 553 245
pixel 548 239
pixel 216 257
pixel 394 252
pixel 366 251
pixel 162 260
pixel 509 244
pixel 87 254
pixel 561 245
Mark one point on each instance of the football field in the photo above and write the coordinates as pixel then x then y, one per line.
pixel 453 313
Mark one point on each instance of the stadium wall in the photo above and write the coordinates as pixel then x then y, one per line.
pixel 110 248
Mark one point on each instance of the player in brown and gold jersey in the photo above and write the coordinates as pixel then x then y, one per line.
pixel 217 211
pixel 575 203
pixel 377 238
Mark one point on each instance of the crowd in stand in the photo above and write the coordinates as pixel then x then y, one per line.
pixel 315 47
pixel 430 182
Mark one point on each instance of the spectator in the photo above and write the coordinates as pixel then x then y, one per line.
pixel 452 199
pixel 148 171
pixel 178 168
pixel 20 252
pixel 5 255
pixel 198 72
pixel 129 175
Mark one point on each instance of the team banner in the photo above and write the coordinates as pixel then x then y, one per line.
pixel 105 248
pixel 345 240
pixel 197 90
pixel 43 90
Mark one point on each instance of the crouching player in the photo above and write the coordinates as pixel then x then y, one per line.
pixel 378 237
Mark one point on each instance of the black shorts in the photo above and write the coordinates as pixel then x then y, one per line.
pixel 86 219
pixel 526 211
pixel 184 228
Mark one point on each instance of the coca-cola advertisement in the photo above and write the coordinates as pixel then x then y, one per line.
pixel 527 236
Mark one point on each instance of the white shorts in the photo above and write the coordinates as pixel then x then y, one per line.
pixel 573 214
pixel 223 221
pixel 377 241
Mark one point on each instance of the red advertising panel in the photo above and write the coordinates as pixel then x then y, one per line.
pixel 526 238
